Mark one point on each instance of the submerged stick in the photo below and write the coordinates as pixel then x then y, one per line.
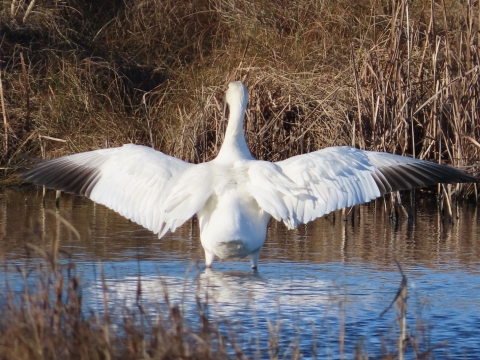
pixel 400 301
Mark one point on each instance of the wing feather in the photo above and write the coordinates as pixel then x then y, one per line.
pixel 333 178
pixel 135 181
pixel 161 192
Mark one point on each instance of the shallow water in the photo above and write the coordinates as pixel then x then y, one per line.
pixel 312 282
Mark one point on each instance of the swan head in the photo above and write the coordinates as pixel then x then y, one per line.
pixel 234 144
pixel 236 95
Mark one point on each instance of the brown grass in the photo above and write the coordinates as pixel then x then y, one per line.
pixel 385 75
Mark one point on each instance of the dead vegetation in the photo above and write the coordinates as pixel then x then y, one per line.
pixel 384 75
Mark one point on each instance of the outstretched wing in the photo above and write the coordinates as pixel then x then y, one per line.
pixel 336 177
pixel 135 181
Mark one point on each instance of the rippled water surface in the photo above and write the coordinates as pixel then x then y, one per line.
pixel 314 283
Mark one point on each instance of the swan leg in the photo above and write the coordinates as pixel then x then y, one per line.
pixel 209 257
pixel 254 259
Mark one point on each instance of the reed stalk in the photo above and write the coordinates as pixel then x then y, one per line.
pixel 387 75
pixel 4 115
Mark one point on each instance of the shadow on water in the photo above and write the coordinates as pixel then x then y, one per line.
pixel 323 283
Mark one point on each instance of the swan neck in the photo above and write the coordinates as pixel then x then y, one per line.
pixel 235 144
pixel 235 122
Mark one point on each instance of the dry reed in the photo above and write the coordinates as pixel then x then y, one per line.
pixel 383 75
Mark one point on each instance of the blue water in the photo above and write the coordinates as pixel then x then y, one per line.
pixel 312 284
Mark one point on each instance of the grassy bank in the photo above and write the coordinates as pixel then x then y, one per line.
pixel 384 75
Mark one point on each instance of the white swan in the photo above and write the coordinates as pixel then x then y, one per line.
pixel 234 195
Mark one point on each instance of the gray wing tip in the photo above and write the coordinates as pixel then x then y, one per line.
pixel 62 174
pixel 418 174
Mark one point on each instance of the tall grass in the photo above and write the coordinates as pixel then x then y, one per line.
pixel 394 76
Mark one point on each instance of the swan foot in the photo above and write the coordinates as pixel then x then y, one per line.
pixel 209 257
pixel 254 259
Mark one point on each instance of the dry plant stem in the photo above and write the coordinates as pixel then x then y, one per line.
pixel 4 114
pixel 106 318
pixel 448 198
pixel 58 194
pixel 400 302
pixel 341 339
pixel 51 138
pixel 153 73
pixel 359 111
pixel 29 10
pixel 26 88
pixel 12 7
pixel 399 203
pixel 478 29
pixel 394 215
pixel 149 122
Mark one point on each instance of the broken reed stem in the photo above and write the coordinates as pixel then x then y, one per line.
pixel 13 7
pixel 4 114
pixel 29 10
pixel 400 302
pixel 106 317
pixel 357 92
pixel 448 198
pixel 27 87
pixel 409 110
